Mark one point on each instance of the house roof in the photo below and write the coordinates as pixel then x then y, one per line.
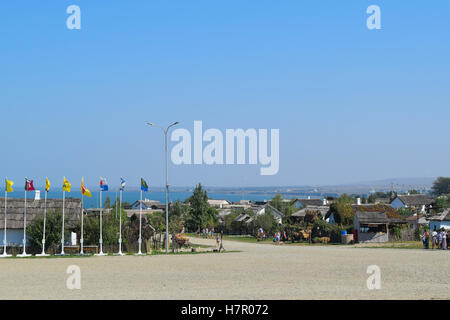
pixel 310 202
pixel 371 217
pixel 302 212
pixel 15 211
pixel 415 199
pixel 444 216
pixel 241 217
pixel 217 202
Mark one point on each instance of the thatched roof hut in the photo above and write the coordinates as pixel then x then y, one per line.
pixel 15 211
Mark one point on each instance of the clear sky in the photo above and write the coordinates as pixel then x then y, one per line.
pixel 352 104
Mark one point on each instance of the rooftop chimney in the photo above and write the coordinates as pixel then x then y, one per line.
pixel 325 202
pixel 358 201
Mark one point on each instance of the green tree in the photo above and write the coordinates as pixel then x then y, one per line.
pixel 343 213
pixel 200 213
pixel 441 186
pixel 267 221
pixel 277 202
pixel 52 229
pixel 441 203
pixel 177 210
pixel 107 203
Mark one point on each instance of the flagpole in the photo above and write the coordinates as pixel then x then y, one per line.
pixel 120 225
pixel 140 226
pixel 101 229
pixel 43 254
pixel 24 253
pixel 81 236
pixel 62 234
pixel 4 255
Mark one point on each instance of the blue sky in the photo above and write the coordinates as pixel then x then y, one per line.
pixel 351 104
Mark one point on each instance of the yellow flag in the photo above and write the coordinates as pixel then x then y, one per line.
pixel 47 185
pixel 9 185
pixel 84 190
pixel 66 185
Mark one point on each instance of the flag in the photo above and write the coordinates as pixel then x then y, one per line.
pixel 47 185
pixel 29 185
pixel 144 185
pixel 84 190
pixel 9 185
pixel 66 185
pixel 103 184
pixel 122 184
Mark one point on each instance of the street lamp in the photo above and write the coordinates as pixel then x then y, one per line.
pixel 167 178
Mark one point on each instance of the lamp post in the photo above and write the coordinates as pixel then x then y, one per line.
pixel 167 178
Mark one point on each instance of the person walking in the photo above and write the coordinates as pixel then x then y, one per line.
pixel 425 238
pixel 440 239
pixel 444 240
pixel 434 239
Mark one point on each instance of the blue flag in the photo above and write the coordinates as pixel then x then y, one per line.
pixel 103 184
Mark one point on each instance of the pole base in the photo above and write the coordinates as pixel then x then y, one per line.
pixel 61 254
pixel 119 254
pixel 5 255
pixel 23 255
pixel 140 254
pixel 101 254
pixel 42 255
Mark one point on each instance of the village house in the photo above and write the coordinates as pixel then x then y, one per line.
pixel 303 203
pixel 35 208
pixel 259 210
pixel 371 226
pixel 148 204
pixel 220 204
pixel 300 214
pixel 415 221
pixel 416 202
pixel 440 221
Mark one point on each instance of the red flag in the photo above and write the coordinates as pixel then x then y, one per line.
pixel 29 185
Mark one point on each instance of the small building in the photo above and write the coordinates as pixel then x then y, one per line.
pixel 440 221
pixel 303 203
pixel 220 204
pixel 415 221
pixel 414 201
pixel 148 205
pixel 35 208
pixel 300 214
pixel 371 226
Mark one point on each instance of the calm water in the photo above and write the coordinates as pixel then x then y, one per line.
pixel 132 196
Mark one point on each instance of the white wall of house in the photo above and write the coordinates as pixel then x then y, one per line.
pixel 397 203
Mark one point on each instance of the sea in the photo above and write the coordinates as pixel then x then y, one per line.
pixel 132 196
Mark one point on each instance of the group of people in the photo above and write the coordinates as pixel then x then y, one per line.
pixel 280 237
pixel 438 239
pixel 207 233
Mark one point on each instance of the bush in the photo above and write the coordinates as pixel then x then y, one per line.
pixel 322 228
pixel 53 226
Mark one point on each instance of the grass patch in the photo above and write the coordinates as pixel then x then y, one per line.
pixel 394 245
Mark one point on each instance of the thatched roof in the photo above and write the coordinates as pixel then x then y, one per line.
pixel 371 217
pixel 443 216
pixel 302 212
pixel 309 202
pixel 15 211
pixel 415 200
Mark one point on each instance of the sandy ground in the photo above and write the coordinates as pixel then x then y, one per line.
pixel 260 271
